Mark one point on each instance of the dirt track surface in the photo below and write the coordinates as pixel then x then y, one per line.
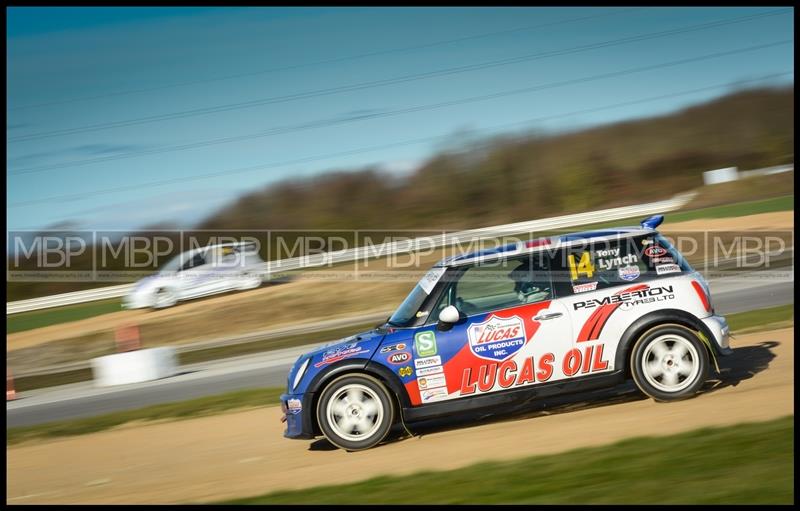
pixel 243 454
pixel 763 221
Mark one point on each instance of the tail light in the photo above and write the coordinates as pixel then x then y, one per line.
pixel 704 294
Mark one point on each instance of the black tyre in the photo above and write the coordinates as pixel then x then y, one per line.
pixel 669 362
pixel 355 412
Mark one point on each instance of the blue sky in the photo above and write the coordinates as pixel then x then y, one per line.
pixel 73 68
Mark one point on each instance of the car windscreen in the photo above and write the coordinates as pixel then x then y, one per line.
pixel 174 264
pixel 407 311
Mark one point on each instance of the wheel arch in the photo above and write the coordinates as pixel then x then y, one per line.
pixel 170 287
pixel 622 359
pixel 383 374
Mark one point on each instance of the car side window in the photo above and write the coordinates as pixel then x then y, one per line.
pixel 600 264
pixel 662 258
pixel 497 285
pixel 196 260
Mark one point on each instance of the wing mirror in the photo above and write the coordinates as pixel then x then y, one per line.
pixel 448 317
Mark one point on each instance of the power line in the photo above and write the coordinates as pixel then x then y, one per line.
pixel 384 82
pixel 309 159
pixel 333 60
pixel 390 113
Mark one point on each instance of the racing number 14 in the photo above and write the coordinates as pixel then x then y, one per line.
pixel 585 266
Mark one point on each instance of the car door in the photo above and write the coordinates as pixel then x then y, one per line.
pixel 226 265
pixel 511 333
pixel 195 276
pixel 605 285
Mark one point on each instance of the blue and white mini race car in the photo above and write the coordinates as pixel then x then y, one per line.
pixel 552 315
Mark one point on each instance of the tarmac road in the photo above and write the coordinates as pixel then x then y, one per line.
pixel 269 369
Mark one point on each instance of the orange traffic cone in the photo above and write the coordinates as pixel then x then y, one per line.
pixel 11 394
pixel 127 338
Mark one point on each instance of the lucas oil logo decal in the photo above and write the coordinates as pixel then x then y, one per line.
pixel 497 338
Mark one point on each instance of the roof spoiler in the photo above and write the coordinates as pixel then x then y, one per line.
pixel 652 222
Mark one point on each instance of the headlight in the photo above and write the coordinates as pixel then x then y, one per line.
pixel 300 373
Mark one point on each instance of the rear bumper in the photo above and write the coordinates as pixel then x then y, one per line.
pixel 297 414
pixel 720 332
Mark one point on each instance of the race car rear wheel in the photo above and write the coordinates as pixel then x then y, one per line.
pixel 355 412
pixel 249 281
pixel 669 362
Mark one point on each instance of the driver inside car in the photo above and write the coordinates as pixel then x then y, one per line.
pixel 526 286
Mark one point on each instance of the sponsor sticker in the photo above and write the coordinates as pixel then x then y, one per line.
pixel 399 358
pixel 628 273
pixel 582 288
pixel 426 371
pixel 393 347
pixel 660 260
pixel 655 251
pixel 497 338
pixel 340 353
pixel 430 382
pixel 429 280
pixel 433 394
pixel 425 343
pixel 405 371
pixel 661 269
pixel 294 406
pixel 428 362
pixel 639 296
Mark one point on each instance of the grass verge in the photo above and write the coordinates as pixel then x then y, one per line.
pixel 785 203
pixel 179 410
pixel 46 317
pixel 742 464
pixel 773 317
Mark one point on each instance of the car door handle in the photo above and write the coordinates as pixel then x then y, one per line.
pixel 552 315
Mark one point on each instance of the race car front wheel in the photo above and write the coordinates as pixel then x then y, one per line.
pixel 164 297
pixel 669 362
pixel 355 412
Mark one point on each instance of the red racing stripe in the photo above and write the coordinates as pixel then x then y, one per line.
pixel 589 325
pixel 594 325
pixel 601 322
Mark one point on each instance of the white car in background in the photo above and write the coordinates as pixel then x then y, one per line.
pixel 200 272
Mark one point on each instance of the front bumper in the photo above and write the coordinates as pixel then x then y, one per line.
pixel 721 333
pixel 297 413
pixel 137 300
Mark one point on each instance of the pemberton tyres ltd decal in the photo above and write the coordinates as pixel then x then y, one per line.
pixel 606 306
